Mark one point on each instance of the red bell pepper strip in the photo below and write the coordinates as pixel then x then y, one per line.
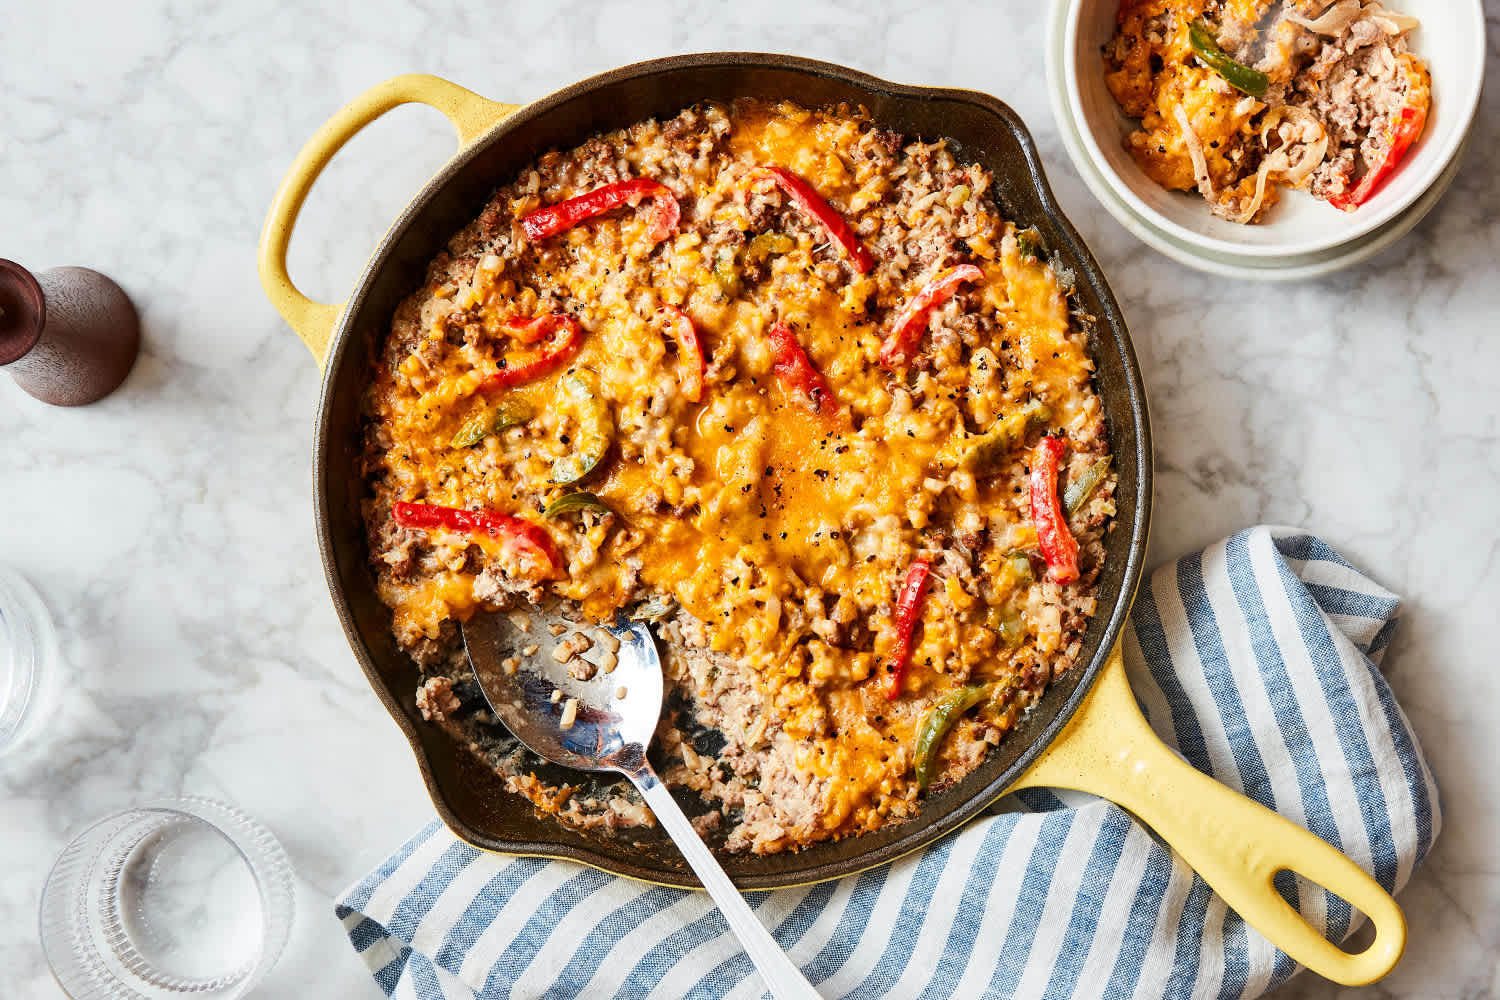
pixel 908 613
pixel 810 202
pixel 911 321
pixel 1404 132
pixel 1059 547
pixel 530 542
pixel 553 219
pixel 530 330
pixel 690 353
pixel 557 351
pixel 796 370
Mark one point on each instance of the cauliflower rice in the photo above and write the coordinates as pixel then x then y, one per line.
pixel 767 536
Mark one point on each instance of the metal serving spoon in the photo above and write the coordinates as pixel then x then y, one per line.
pixel 605 723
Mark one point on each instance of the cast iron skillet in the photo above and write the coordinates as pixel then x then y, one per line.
pixel 1085 733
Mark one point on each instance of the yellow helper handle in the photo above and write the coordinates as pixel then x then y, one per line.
pixel 471 116
pixel 1234 843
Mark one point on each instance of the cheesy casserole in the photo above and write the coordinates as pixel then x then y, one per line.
pixel 788 385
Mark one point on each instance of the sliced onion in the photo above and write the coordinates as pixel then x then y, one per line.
pixel 1391 22
pixel 1310 161
pixel 1195 150
pixel 1317 149
pixel 1273 118
pixel 1332 21
pixel 1266 166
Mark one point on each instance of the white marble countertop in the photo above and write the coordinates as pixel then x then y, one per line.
pixel 170 529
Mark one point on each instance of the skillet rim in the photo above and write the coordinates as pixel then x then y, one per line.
pixel 912 834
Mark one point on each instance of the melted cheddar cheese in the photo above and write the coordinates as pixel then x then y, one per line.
pixel 781 533
pixel 1159 75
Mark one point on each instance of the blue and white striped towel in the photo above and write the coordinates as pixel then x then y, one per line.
pixel 1255 659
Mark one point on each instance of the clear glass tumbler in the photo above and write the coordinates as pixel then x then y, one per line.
pixel 183 897
pixel 28 657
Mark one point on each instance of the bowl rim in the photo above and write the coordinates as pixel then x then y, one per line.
pixel 1063 40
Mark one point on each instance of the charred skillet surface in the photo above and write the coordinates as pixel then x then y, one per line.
pixel 470 798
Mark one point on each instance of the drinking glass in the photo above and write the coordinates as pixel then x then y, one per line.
pixel 186 896
pixel 28 657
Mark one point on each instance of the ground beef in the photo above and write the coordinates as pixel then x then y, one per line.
pixel 436 700
pixel 768 547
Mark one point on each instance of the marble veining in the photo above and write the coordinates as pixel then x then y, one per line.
pixel 169 528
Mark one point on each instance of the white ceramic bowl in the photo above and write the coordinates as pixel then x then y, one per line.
pixel 1298 267
pixel 1299 229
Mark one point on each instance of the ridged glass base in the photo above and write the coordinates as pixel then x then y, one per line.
pixel 176 898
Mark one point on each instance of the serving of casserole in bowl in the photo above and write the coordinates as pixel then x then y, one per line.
pixel 1312 126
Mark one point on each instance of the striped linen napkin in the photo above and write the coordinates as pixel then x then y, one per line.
pixel 1255 659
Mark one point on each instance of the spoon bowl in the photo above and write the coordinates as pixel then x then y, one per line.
pixel 614 712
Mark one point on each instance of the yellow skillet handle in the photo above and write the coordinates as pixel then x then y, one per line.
pixel 471 116
pixel 1234 843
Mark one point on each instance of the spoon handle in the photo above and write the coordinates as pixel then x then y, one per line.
pixel 781 975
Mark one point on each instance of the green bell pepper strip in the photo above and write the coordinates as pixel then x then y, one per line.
pixel 936 724
pixel 1029 244
pixel 570 502
pixel 1010 627
pixel 491 421
pixel 1079 490
pixel 726 273
pixel 1022 563
pixel 984 449
pixel 1236 74
pixel 767 244
pixel 596 427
